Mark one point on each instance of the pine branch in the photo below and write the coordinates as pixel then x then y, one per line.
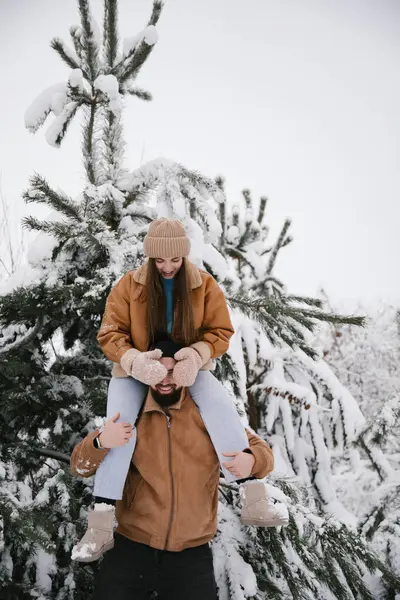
pixel 278 246
pixel 139 93
pixel 89 46
pixel 110 32
pixel 271 320
pixel 245 237
pixel 272 306
pixel 258 377
pixel 332 318
pixel 235 216
pixel 219 180
pixel 134 63
pixel 58 45
pixel 68 114
pixel 64 232
pixel 264 286
pixel 284 243
pixel 89 145
pixel 59 229
pixel 113 146
pixel 221 490
pixel 240 256
pixel 247 198
pixel 197 210
pixel 25 339
pixel 42 193
pixel 261 210
pixel 222 219
pixel 156 12
pixel 33 224
pixel 305 300
pixel 138 216
pixel 51 454
pixel 130 65
pixel 76 40
pixel 368 451
pixel 281 322
pixel 140 195
pixel 198 180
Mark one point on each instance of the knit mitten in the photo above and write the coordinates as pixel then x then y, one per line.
pixel 144 366
pixel 187 367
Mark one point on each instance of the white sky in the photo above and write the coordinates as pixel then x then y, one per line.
pixel 298 100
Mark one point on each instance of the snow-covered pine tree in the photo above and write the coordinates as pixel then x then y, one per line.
pixel 368 360
pixel 295 402
pixel 379 441
pixel 55 378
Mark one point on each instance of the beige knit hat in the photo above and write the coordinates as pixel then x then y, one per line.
pixel 166 238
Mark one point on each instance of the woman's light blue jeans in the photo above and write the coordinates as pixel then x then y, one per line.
pixel 126 396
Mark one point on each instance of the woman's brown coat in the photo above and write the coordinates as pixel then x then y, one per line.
pixel 124 324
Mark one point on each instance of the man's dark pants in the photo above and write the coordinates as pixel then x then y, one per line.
pixel 132 571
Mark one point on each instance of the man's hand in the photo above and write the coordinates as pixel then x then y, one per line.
pixel 115 434
pixel 241 465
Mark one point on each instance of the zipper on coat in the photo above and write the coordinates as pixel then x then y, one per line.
pixel 172 482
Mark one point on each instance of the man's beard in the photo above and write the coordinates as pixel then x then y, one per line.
pixel 165 400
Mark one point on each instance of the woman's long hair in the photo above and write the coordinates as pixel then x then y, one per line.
pixel 183 329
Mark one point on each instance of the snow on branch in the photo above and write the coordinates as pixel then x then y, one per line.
pixel 347 412
pixel 57 130
pixel 148 35
pixel 67 55
pixel 26 335
pixel 42 193
pixel 52 98
pixel 108 84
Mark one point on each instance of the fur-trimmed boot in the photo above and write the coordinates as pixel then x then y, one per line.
pixel 258 509
pixel 99 536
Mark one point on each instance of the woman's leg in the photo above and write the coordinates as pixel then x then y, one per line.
pixel 220 416
pixel 125 395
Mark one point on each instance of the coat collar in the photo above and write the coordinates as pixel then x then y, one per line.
pixel 195 279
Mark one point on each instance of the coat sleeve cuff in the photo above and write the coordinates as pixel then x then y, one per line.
pixel 204 349
pixel 86 458
pixel 264 461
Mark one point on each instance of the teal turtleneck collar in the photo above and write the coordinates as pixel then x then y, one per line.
pixel 168 285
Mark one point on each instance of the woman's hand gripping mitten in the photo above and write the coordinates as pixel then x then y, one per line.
pixel 187 367
pixel 144 366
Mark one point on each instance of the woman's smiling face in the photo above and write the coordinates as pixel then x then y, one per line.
pixel 168 267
